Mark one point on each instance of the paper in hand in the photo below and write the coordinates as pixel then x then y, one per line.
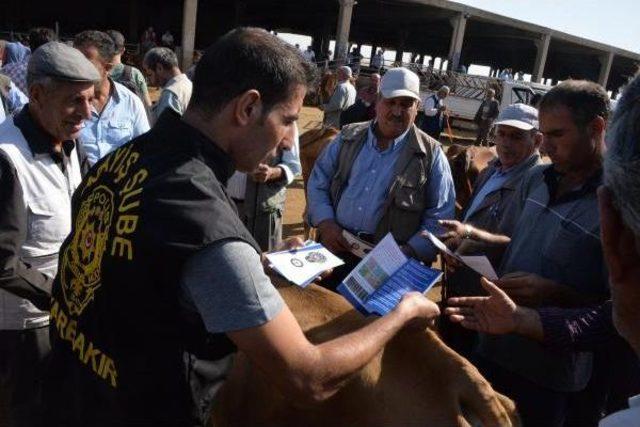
pixel 478 263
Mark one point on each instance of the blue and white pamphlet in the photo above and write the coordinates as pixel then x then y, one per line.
pixel 379 281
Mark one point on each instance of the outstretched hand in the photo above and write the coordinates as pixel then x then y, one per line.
pixel 493 314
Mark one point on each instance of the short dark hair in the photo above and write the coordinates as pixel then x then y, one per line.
pixel 39 36
pixel 162 56
pixel 245 59
pixel 117 38
pixel 98 39
pixel 585 99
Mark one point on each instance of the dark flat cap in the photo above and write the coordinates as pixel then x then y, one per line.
pixel 62 62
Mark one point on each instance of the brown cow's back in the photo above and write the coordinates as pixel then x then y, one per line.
pixel 467 162
pixel 415 381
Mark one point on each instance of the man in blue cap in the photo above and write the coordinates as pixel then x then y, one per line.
pixel 40 167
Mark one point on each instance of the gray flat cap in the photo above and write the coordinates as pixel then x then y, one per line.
pixel 62 62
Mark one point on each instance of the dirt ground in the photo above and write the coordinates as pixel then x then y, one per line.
pixel 311 117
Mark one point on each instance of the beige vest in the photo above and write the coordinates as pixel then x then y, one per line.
pixel 405 202
pixel 47 195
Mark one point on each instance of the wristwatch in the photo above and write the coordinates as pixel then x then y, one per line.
pixel 467 231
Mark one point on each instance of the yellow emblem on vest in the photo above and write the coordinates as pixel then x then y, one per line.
pixel 80 268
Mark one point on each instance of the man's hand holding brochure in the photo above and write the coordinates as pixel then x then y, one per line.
pixel 380 280
pixel 305 264
pixel 377 285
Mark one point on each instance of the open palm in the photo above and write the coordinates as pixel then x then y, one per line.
pixel 493 314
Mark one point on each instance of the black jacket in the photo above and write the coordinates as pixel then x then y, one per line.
pixel 118 333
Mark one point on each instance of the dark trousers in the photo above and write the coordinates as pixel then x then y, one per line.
pixel 484 126
pixel 538 406
pixel 22 357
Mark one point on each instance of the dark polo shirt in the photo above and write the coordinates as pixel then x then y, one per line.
pixel 557 238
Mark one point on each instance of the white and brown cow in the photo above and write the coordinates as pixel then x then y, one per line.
pixel 416 381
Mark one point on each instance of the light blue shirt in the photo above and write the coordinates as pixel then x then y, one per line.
pixel 362 202
pixel 290 163
pixel 122 119
pixel 495 182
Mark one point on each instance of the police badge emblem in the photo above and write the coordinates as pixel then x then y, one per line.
pixel 316 257
pixel 81 259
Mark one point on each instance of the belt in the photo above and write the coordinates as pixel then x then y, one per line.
pixel 367 237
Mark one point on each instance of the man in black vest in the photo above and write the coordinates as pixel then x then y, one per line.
pixel 158 261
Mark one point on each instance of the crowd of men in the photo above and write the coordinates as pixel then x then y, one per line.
pixel 544 335
pixel 131 234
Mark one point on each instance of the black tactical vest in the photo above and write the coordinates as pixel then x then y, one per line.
pixel 118 331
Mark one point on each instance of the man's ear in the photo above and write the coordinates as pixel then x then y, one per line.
pixel 537 139
pixel 248 107
pixel 597 126
pixel 36 94
pixel 108 66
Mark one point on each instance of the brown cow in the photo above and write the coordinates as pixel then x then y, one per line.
pixel 466 163
pixel 416 381
pixel 312 142
pixel 326 87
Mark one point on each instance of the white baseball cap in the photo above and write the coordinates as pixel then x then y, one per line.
pixel 521 116
pixel 400 82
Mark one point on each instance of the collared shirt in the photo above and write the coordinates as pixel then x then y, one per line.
pixel 122 119
pixel 557 238
pixel 290 164
pixel 494 183
pixel 361 205
pixel 16 276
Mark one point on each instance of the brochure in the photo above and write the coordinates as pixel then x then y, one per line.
pixel 379 281
pixel 303 265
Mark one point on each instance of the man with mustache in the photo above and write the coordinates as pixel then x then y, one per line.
pixel 381 176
